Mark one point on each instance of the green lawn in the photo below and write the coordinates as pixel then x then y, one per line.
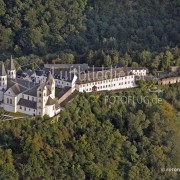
pixel 18 114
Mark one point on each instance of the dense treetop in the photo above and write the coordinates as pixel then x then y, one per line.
pixel 54 26
pixel 97 139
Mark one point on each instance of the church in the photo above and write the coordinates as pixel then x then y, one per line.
pixel 28 97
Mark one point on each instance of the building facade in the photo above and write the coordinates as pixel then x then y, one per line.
pixel 34 92
pixel 19 95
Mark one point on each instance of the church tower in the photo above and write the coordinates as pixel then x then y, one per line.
pixel 3 81
pixel 11 69
pixel 50 83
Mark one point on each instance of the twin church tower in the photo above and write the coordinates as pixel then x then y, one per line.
pixel 4 75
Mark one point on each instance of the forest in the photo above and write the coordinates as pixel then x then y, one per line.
pixel 142 32
pixel 97 139
pixel 94 139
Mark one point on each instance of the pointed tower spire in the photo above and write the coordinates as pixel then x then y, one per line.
pixel 11 69
pixel 3 70
pixel 11 64
pixel 50 76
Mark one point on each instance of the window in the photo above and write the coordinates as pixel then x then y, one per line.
pixel 20 107
pixel 28 97
pixel 24 108
pixel 32 98
pixel 10 101
pixel 7 100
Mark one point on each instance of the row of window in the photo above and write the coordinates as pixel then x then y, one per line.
pixel 26 109
pixel 140 74
pixel 100 82
pixel 60 82
pixel 112 85
pixel 9 101
pixel 28 98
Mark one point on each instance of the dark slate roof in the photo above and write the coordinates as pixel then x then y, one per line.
pixel 63 91
pixel 119 64
pixel 101 75
pixel 20 85
pixel 2 70
pixel 67 66
pixel 11 65
pixel 28 72
pixel 60 74
pixel 39 72
pixel 32 92
pixel 27 103
pixel 98 68
pixel 50 101
pixel 16 89
pixel 135 68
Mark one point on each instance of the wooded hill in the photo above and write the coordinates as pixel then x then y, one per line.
pixel 51 28
pixel 97 139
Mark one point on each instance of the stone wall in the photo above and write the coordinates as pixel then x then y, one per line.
pixel 171 80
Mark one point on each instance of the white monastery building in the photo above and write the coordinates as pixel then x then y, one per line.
pixel 18 95
pixel 34 92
